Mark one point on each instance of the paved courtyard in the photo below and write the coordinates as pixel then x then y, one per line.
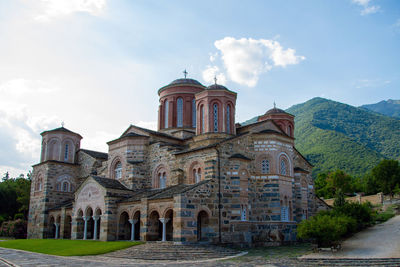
pixel 376 246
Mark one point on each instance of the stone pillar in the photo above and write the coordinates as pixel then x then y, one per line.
pixel 62 223
pixel 86 219
pixel 164 228
pixel 144 219
pixel 95 219
pixel 133 222
pixel 109 219
pixel 57 230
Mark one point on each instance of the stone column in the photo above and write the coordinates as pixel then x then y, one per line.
pixel 57 230
pixel 133 222
pixel 95 219
pixel 164 228
pixel 86 219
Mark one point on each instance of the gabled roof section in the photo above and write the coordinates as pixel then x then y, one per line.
pixel 95 154
pixel 109 183
pixel 61 129
pixel 171 191
pixel 303 157
pixel 147 132
pixel 265 126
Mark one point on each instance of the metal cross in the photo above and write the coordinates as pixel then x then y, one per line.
pixel 274 105
pixel 185 73
pixel 62 124
pixel 215 79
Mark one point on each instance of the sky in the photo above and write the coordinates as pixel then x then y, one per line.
pixel 96 65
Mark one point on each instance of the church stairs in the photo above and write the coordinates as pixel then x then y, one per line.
pixel 171 251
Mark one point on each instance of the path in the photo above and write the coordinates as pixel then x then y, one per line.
pixel 379 241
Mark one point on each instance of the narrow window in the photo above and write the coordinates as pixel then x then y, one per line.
pixel 194 113
pixel 65 187
pixel 179 111
pixel 118 170
pixel 166 114
pixel 215 117
pixel 228 119
pixel 265 166
pixel 202 119
pixel 66 152
pixel 198 175
pixel 285 214
pixel 283 167
pixel 163 180
pixel 244 211
pixel 290 130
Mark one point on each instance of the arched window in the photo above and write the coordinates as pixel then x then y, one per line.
pixel 166 108
pixel 39 184
pixel 65 186
pixel 118 170
pixel 265 166
pixel 179 112
pixel 194 113
pixel 215 112
pixel 283 167
pixel 290 130
pixel 202 119
pixel 197 174
pixel 66 152
pixel 162 180
pixel 228 119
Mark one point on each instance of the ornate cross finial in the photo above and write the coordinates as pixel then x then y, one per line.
pixel 274 105
pixel 185 73
pixel 62 124
pixel 215 79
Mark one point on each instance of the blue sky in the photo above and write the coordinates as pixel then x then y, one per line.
pixel 97 64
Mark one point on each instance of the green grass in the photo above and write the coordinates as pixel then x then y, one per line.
pixel 66 247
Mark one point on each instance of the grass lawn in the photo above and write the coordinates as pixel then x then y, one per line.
pixel 67 247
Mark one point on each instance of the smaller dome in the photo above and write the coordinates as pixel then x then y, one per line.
pixel 276 111
pixel 217 87
pixel 185 81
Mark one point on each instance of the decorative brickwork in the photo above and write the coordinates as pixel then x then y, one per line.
pixel 200 178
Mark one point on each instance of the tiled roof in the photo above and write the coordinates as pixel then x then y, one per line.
pixel 95 154
pixel 61 129
pixel 109 183
pixel 66 204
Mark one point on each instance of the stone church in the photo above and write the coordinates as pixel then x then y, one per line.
pixel 200 177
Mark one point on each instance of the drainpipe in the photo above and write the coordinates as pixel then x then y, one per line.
pixel 219 197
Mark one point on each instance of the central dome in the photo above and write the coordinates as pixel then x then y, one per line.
pixel 217 87
pixel 185 81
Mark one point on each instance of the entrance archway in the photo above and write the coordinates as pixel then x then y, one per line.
pixel 136 217
pixel 79 225
pixel 124 227
pixel 90 223
pixel 202 224
pixel 155 227
pixel 169 226
pixel 67 227
pixel 52 228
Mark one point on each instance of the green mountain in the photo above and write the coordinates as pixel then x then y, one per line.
pixel 333 135
pixel 390 108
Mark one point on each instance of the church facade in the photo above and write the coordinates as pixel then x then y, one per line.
pixel 200 177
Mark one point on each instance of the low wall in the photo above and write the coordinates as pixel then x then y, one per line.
pixel 373 199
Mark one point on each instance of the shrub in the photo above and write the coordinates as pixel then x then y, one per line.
pixel 16 229
pixel 325 229
pixel 362 213
pixel 19 216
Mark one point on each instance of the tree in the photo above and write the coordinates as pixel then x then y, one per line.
pixel 387 175
pixel 339 180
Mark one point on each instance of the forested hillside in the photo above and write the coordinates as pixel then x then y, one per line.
pixel 334 135
pixel 386 107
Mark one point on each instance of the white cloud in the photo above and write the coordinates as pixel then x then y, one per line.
pixel 56 8
pixel 212 72
pixel 246 59
pixel 367 7
pixel 19 127
pixel 152 125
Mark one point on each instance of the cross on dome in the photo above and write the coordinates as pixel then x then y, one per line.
pixel 215 79
pixel 185 73
pixel 62 124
